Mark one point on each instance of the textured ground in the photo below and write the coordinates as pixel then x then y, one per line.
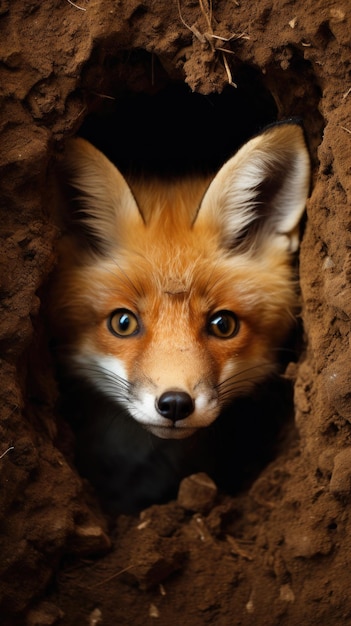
pixel 278 550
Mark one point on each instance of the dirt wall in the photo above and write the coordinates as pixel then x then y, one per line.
pixel 278 551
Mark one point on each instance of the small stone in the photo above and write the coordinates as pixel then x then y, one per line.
pixel 153 611
pixel 336 382
pixel 326 461
pixel 286 593
pixel 197 493
pixel 340 482
pixel 337 15
pixel 90 539
pixel 95 617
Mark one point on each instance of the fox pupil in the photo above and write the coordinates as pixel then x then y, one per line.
pixel 124 322
pixel 222 325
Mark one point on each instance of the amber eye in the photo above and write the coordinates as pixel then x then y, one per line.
pixel 123 323
pixel 223 324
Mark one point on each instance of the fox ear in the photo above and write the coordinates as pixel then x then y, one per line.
pixel 105 203
pixel 261 191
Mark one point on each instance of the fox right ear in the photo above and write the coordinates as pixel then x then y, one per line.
pixel 105 203
pixel 259 195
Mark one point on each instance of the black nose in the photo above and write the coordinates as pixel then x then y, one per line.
pixel 175 405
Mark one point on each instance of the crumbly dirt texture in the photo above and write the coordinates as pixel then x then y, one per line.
pixel 278 551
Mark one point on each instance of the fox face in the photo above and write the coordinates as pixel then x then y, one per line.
pixel 172 298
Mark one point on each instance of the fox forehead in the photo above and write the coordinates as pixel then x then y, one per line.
pixel 167 234
pixel 173 202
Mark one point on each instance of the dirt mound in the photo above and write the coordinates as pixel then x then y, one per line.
pixel 148 79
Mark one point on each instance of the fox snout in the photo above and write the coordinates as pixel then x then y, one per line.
pixel 175 406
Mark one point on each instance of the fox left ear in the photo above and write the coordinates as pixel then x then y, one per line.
pixel 262 190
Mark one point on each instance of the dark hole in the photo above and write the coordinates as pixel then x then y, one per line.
pixel 176 131
pixel 172 132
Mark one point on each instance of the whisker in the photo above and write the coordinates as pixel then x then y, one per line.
pixel 115 386
pixel 241 372
pixel 241 382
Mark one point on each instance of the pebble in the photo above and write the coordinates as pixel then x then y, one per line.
pixel 197 493
pixel 340 482
pixel 90 539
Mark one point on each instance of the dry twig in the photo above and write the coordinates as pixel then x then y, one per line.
pixel 235 548
pixel 106 580
pixel 6 451
pixel 76 5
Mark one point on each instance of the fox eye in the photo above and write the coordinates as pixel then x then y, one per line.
pixel 123 323
pixel 223 324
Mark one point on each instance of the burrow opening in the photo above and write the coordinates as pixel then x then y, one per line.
pixel 156 124
pixel 172 131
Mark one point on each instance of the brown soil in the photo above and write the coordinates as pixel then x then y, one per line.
pixel 277 549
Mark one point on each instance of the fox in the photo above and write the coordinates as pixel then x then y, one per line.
pixel 173 296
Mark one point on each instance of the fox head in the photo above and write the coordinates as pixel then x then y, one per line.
pixel 173 298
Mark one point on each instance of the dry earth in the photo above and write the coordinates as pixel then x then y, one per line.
pixel 274 548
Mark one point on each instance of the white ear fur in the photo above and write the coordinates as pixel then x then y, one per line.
pixel 262 189
pixel 104 197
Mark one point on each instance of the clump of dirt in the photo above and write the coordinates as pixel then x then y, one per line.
pixel 276 551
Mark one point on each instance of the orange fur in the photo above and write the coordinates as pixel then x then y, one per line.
pixel 165 254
